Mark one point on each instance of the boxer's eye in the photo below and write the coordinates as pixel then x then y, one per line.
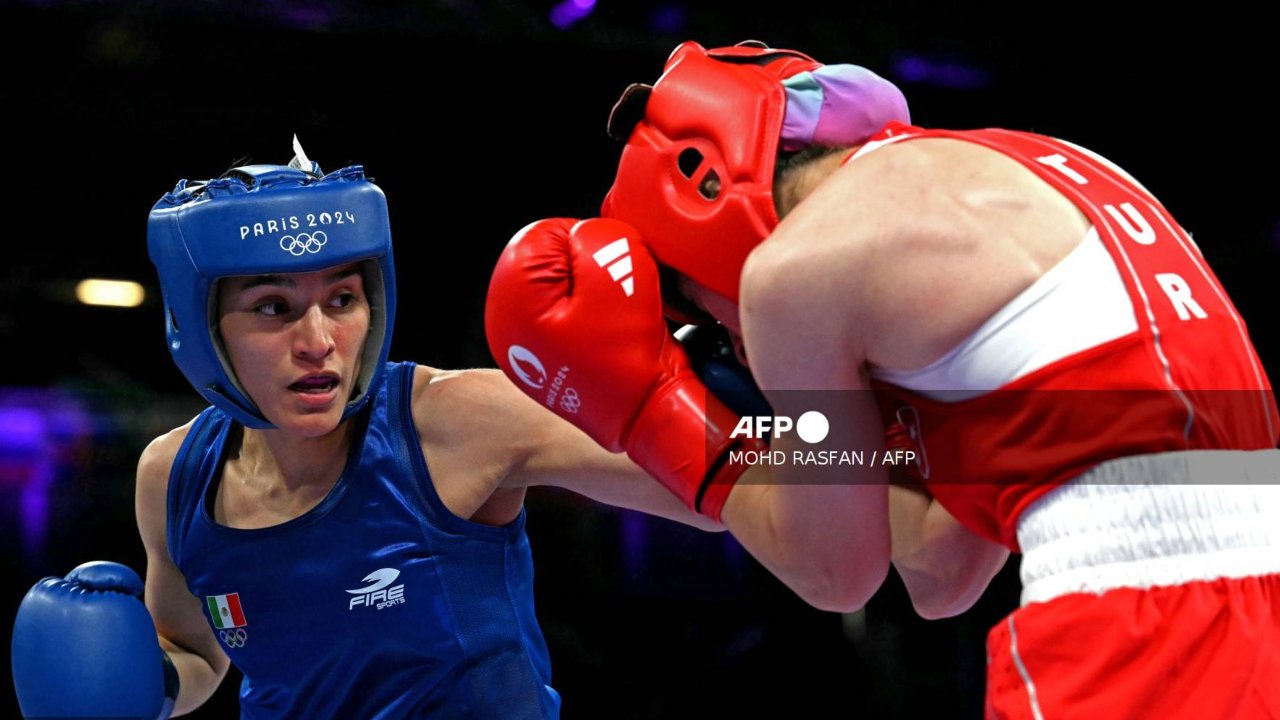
pixel 271 308
pixel 343 300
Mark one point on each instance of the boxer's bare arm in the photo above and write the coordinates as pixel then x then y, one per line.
pixel 980 229
pixel 486 441
pixel 941 235
pixel 944 566
pixel 823 532
pixel 180 623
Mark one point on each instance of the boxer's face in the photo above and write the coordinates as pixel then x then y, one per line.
pixel 724 310
pixel 294 341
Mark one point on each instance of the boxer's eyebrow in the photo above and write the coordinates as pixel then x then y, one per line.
pixel 343 273
pixel 277 280
pixel 273 280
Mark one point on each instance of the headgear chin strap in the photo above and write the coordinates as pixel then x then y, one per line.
pixel 696 175
pixel 267 219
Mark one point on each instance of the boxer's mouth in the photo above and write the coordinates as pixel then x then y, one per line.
pixel 318 383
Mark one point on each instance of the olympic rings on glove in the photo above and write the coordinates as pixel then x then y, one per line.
pixel 569 401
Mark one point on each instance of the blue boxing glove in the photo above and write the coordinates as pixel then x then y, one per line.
pixel 712 358
pixel 86 647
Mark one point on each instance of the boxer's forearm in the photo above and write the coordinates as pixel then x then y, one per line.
pixel 944 566
pixel 829 543
pixel 197 678
pixel 567 458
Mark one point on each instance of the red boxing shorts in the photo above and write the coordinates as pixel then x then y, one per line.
pixel 1147 596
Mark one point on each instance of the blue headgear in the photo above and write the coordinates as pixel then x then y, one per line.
pixel 267 219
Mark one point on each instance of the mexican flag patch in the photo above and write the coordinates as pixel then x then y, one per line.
pixel 226 611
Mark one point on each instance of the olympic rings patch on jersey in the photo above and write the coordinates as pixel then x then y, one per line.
pixel 235 638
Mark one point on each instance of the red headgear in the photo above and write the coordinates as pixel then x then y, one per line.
pixel 696 176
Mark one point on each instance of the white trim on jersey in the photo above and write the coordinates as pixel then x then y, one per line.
pixel 980 364
pixel 1197 258
pixel 1082 200
pixel 1078 304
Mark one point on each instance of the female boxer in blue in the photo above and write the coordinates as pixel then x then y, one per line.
pixel 349 532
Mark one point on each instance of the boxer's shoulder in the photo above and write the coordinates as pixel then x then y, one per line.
pixel 476 414
pixel 895 236
pixel 151 493
pixel 445 401
pixel 954 188
pixel 899 196
pixel 927 171
pixel 157 458
pixel 470 427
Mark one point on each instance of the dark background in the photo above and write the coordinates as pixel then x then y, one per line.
pixel 477 117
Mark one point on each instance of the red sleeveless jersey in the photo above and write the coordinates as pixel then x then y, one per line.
pixel 1186 378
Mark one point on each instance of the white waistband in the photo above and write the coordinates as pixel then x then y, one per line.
pixel 1151 520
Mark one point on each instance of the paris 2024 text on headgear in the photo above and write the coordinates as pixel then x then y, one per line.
pixel 267 219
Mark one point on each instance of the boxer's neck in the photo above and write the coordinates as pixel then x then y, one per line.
pixel 796 184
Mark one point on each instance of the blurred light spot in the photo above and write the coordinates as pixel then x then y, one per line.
pixel 669 19
pixel 38 430
pixel 113 293
pixel 911 69
pixel 568 12
pixel 942 72
pixel 302 14
pixel 635 540
pixel 307 18
pixel 21 432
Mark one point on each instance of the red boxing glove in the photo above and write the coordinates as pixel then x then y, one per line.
pixel 574 318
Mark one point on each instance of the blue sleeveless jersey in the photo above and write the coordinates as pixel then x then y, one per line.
pixel 378 602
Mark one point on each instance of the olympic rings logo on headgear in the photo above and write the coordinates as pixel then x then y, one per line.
pixel 192 241
pixel 304 242
pixel 234 638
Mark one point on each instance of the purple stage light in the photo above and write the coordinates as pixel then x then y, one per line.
pixel 941 72
pixel 669 19
pixel 635 541
pixel 22 433
pixel 568 12
pixel 911 69
pixel 38 428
